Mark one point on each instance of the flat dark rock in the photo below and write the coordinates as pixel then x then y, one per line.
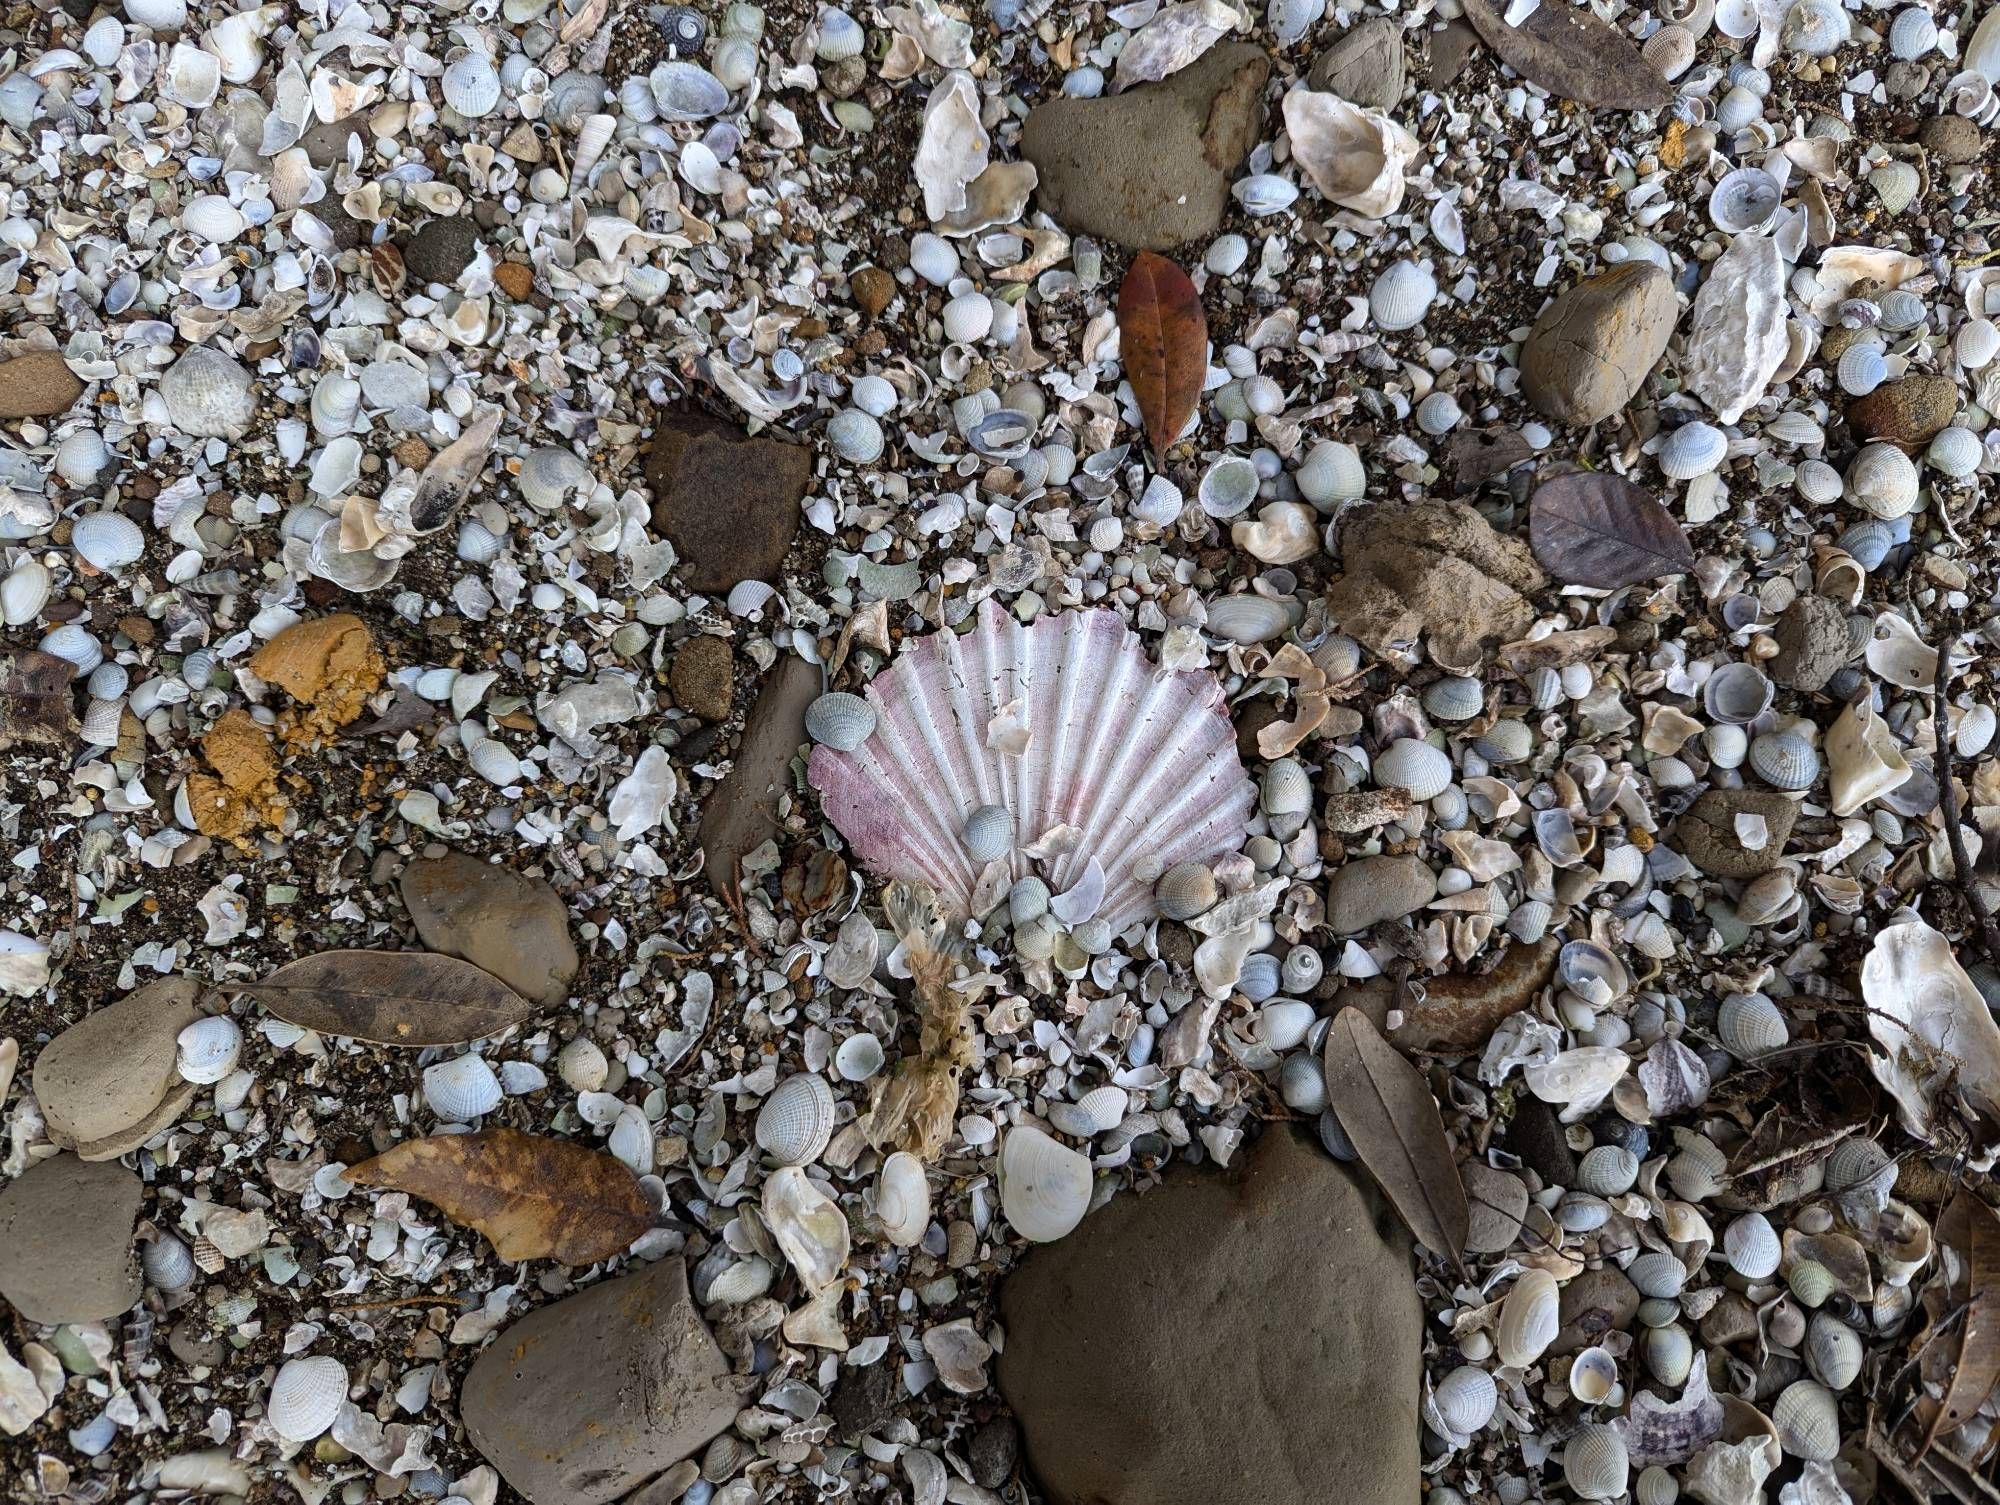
pixel 743 810
pixel 730 504
pixel 1243 1334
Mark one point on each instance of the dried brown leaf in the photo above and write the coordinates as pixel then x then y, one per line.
pixel 35 699
pixel 1163 341
pixel 534 1198
pixel 395 997
pixel 1589 528
pixel 1970 1226
pixel 1568 51
pixel 1386 1107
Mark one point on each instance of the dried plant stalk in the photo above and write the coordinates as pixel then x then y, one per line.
pixel 916 1106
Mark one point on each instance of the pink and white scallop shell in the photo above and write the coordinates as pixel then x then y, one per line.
pixel 1065 723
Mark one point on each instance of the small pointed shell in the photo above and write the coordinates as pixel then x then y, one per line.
pixel 1693 449
pixel 1807 1417
pixel 1595 1464
pixel 1185 890
pixel 1412 764
pixel 796 1121
pixel 840 721
pixel 1045 1186
pixel 306 1395
pixel 1465 1399
pixel 1530 1318
pixel 1751 1246
pixel 903 1200
pixel 461 1089
pixel 1750 1025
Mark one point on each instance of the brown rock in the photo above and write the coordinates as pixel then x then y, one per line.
pixel 1250 1333
pixel 1909 411
pixel 1706 834
pixel 1149 168
pixel 1730 1320
pixel 1951 138
pixel 330 664
pixel 873 289
pixel 703 677
pixel 729 504
pixel 586 1399
pixel 66 1240
pixel 1592 349
pixel 743 809
pixel 516 279
pixel 39 384
pixel 1365 65
pixel 1595 1303
pixel 1375 889
pixel 111 1073
pixel 1812 644
pixel 510 924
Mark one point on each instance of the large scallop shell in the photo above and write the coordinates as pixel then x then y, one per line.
pixel 1148 778
pixel 1044 1185
pixel 796 1121
pixel 306 1395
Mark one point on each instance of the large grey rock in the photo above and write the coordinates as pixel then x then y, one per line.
pixel 512 925
pixel 1150 168
pixel 1248 1334
pixel 585 1400
pixel 107 1084
pixel 1374 889
pixel 1592 348
pixel 1365 65
pixel 1813 643
pixel 66 1240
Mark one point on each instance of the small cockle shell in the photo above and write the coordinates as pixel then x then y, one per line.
pixel 734 59
pixel 550 476
pixel 1954 452
pixel 1185 890
pixel 306 1395
pixel 107 540
pixel 24 592
pixel 207 1049
pixel 1896 185
pixel 1264 193
pixel 1465 1399
pixel 989 833
pixel 1412 764
pixel 903 1200
pixel 1975 729
pixel 1656 1486
pixel 1228 487
pixel 1784 760
pixel 1593 1374
pixel 1249 619
pixel 1743 200
pixel 1807 1417
pixel 1750 1025
pixel 840 721
pixel 1402 296
pixel 1608 1170
pixel 1332 473
pixel 1976 343
pixel 1669 1353
pixel 1833 1351
pixel 1045 1186
pixel 470 85
pixel 461 1089
pixel 1913 33
pixel 1530 1318
pixel 1693 449
pixel 1737 693
pixel 1657 1274
pixel 1670 50
pixel 796 1121
pixel 212 217
pixel 855 436
pixel 1595 1463
pixel 840 36
pixel 1882 480
pixel 209 395
pixel 1862 369
pixel 1287 788
pixel 168 1263
pixel 335 405
pixel 1818 482
pixel 1505 742
pixel 82 457
pixel 1695 1170
pixel 1810 1283
pixel 687 91
pixel 1529 921
pixel 1815 28
pixel 1751 1245
pixel 72 642
pixel 1453 698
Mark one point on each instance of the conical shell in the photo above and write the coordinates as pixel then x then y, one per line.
pixel 1148 774
pixel 1530 1318
pixel 1044 1186
pixel 796 1121
pixel 1595 1464
pixel 903 1200
pixel 1412 764
pixel 306 1395
pixel 1807 1416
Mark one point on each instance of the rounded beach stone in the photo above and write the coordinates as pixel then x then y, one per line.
pixel 66 1240
pixel 514 926
pixel 1593 348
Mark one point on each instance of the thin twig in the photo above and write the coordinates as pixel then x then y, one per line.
pixel 371 1306
pixel 1989 933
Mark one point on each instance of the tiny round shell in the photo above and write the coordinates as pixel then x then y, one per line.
pixel 1608 1170
pixel 1954 452
pixel 168 1263
pixel 1402 296
pixel 1815 28
pixel 1595 1464
pixel 840 721
pixel 989 833
pixel 1505 742
pixel 1454 698
pixel 1751 1246
pixel 903 1200
pixel 840 36
pixel 206 1051
pixel 1818 482
pixel 1670 50
pixel 1655 1486
pixel 1882 480
pixel 1913 33
pixel 858 1058
pixel 1784 760
pixel 107 540
pixel 1466 1399
pixel 1743 199
pixel 1658 1274
pixel 306 1395
pixel 1807 1417
pixel 796 1121
pixel 1862 369
pixel 1833 1351
pixel 1810 1283
pixel 1301 969
pixel 1750 1025
pixel 1412 764
pixel 1896 185
pixel 1185 890
pixel 1693 449
pixel 461 1089
pixel 1287 788
pixel 1332 473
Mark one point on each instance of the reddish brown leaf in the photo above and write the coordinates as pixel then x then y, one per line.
pixel 1589 528
pixel 535 1198
pixel 395 997
pixel 1163 340
pixel 1568 51
pixel 1969 1226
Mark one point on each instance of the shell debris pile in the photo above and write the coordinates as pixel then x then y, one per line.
pixel 690 462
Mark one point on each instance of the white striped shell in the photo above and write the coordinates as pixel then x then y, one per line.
pixel 461 1089
pixel 796 1120
pixel 168 1263
pixel 212 217
pixel 989 833
pixel 306 1395
pixel 903 1200
pixel 1669 1353
pixel 1954 452
pixel 207 1049
pixel 734 60
pixel 840 36
pixel 470 85
pixel 1185 890
pixel 1815 28
pixel 1607 1170
pixel 1833 1351
pixel 209 395
pixel 1818 482
pixel 1413 764
pixel 1656 1486
pixel 1670 50
pixel 1595 1464
pixel 855 436
pixel 1751 1245
pixel 1974 732
pixel 1333 472
pixel 73 643
pixel 335 405
pixel 81 457
pixel 1913 33
pixel 1529 921
pixel 550 477
pixel 24 592
pixel 1249 618
pixel 840 721
pixel 1287 788
pixel 1505 742
pixel 1976 343
pixel 1743 199
pixel 1693 449
pixel 1530 1318
pixel 1148 775
pixel 1264 193
pixel 1045 1186
pixel 490 758
pixel 1465 1399
pixel 1228 487
pixel 1882 480
pixel 1896 185
pixel 107 540
pixel 1750 1025
pixel 1794 427
pixel 1657 1274
pixel 1811 1284
pixel 1807 1417
pixel 1784 760
pixel 1454 698
pixel 1862 369
pixel 1402 296
pixel 744 1280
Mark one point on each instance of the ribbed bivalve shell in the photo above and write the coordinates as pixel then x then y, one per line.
pixel 796 1121
pixel 1142 763
pixel 1595 1464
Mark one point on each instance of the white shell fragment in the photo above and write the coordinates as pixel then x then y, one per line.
pixel 1355 157
pixel 306 1395
pixel 1044 1185
pixel 1736 331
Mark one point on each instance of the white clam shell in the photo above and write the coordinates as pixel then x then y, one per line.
pixel 1814 28
pixel 1913 33
pixel 1248 618
pixel 1283 533
pixel 1882 481
pixel 989 833
pixel 168 1263
pixel 1411 764
pixel 1465 1399
pixel 1671 51
pixel 1228 487
pixel 212 217
pixel 1264 193
pixel 1750 1025
pixel 1595 1464
pixel 1593 1375
pixel 81 457
pixel 207 1050
pixel 1402 296
pixel 1693 449
pixel 1185 890
pixel 687 91
pixel 1743 199
pixel 1976 343
pixel 903 1200
pixel 550 476
pixel 1862 369
pixel 1818 482
pixel 1333 472
pixel 1833 1351
pixel 1045 1186
pixel 1954 452
pixel 840 721
pixel 1530 1318
pixel 1287 788
pixel 24 592
pixel 470 85
pixel 107 540
pixel 1807 1417
pixel 306 1395
pixel 796 1120
pixel 73 642
pixel 858 1058
pixel 461 1089
pixel 1751 1245
pixel 209 395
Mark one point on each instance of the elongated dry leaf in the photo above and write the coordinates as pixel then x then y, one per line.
pixel 534 1198
pixel 1569 52
pixel 1588 528
pixel 395 997
pixel 1969 1226
pixel 1386 1107
pixel 1163 340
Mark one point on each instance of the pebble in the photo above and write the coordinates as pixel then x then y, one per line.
pixel 1365 64
pixel 873 289
pixel 1596 1302
pixel 1952 138
pixel 1909 411
pixel 1813 644
pixel 1375 889
pixel 39 384
pixel 703 677
pixel 66 1251
pixel 441 249
pixel 512 925
pixel 1707 832
pixel 107 1084
pixel 1592 349
pixel 729 503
